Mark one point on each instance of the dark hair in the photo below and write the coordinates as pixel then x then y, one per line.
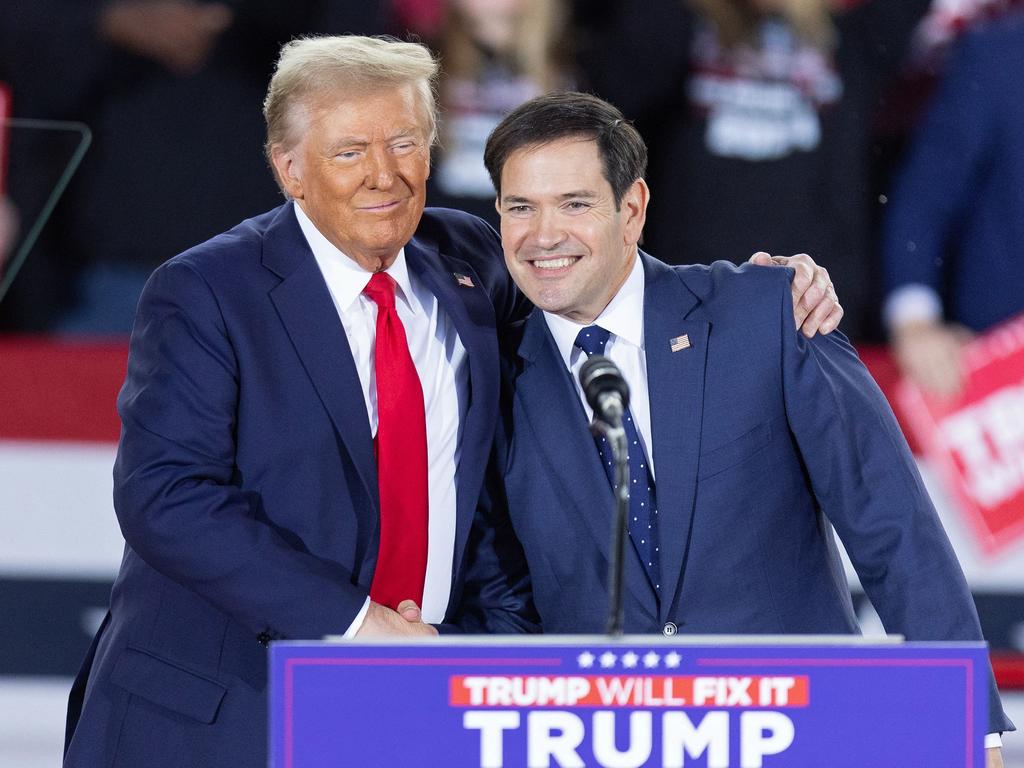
pixel 557 116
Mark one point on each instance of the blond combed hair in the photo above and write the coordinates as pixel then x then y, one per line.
pixel 313 67
pixel 737 22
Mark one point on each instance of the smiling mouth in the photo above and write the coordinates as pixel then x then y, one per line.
pixel 382 207
pixel 555 264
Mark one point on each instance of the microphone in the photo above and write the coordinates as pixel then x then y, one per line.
pixel 608 394
pixel 605 389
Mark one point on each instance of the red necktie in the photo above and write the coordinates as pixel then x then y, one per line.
pixel 401 448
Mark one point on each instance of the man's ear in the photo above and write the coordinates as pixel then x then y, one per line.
pixel 634 209
pixel 287 170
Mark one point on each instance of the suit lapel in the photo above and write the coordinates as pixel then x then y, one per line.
pixel 470 309
pixel 546 394
pixel 307 311
pixel 675 382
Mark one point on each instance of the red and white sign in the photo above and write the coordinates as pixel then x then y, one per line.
pixel 978 437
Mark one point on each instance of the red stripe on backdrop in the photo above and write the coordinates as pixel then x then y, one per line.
pixel 60 390
pixel 66 390
pixel 1009 670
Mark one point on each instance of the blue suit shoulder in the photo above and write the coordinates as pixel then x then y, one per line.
pixel 746 293
pixel 238 249
pixel 462 234
pixel 997 43
pixel 473 241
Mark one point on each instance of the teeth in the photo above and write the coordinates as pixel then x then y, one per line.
pixel 554 263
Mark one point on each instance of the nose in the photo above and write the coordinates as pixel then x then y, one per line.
pixel 547 233
pixel 380 168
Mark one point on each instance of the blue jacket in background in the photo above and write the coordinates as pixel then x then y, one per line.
pixel 957 218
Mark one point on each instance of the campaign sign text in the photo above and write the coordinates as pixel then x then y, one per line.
pixel 625 705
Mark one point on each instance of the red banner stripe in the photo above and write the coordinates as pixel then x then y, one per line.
pixel 60 390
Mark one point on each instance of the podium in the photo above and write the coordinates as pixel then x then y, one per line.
pixel 714 702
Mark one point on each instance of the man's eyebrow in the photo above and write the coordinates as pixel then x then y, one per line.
pixel 362 141
pixel 347 141
pixel 582 193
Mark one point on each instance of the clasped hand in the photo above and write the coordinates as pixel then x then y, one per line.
pixel 406 621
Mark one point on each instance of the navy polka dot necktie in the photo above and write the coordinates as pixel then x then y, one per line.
pixel 643 507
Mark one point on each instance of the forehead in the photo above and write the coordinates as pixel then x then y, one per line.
pixel 361 112
pixel 557 167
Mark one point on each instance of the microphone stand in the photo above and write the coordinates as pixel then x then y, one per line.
pixel 616 437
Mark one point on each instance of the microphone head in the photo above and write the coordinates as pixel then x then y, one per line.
pixel 600 376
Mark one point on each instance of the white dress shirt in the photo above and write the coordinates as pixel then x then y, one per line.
pixel 442 365
pixel 624 318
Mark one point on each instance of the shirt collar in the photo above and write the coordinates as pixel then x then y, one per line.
pixel 623 317
pixel 344 275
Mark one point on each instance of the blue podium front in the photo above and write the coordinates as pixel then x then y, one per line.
pixel 557 701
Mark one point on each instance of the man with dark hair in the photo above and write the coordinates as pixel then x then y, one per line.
pixel 747 442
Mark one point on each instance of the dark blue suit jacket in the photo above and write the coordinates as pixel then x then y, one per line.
pixel 246 488
pixel 760 438
pixel 955 220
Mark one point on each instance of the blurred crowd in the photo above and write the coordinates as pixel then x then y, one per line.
pixel 883 137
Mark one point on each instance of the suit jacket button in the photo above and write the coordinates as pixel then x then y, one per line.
pixel 264 638
pixel 669 629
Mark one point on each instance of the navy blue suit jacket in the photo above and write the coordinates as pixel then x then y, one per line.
pixel 955 220
pixel 246 488
pixel 760 438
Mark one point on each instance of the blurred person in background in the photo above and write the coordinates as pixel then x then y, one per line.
pixel 953 244
pixel 171 90
pixel 495 54
pixel 758 115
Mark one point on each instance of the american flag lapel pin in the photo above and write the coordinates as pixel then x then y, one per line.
pixel 464 280
pixel 679 343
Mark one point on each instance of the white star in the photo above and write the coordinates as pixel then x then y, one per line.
pixel 608 659
pixel 673 659
pixel 651 659
pixel 630 659
pixel 585 659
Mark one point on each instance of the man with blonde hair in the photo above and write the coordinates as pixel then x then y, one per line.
pixel 307 417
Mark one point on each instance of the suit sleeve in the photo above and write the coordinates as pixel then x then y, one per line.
pixel 497 597
pixel 866 481
pixel 940 178
pixel 498 594
pixel 177 492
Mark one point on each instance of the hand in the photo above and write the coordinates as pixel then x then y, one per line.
pixel 815 303
pixel 176 33
pixel 928 352
pixel 381 621
pixel 994 757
